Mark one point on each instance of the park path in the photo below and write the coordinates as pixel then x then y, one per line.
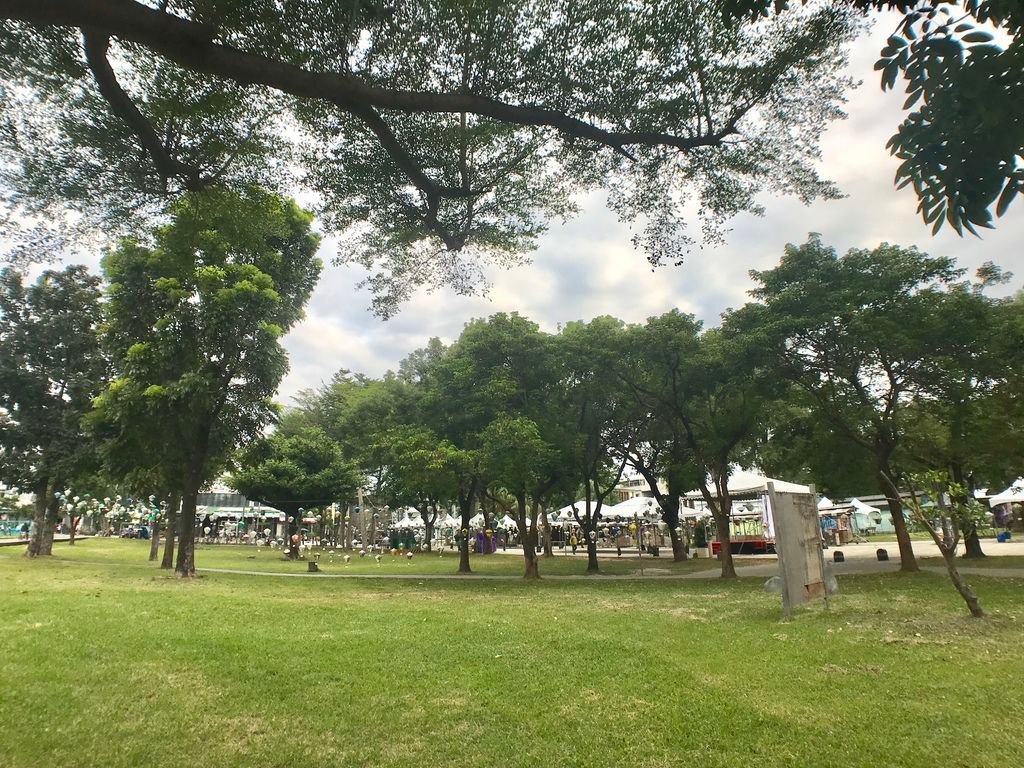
pixel 13 542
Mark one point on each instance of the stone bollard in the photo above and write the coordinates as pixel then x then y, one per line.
pixel 838 557
pixel 882 555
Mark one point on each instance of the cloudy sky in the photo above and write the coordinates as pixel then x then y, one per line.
pixel 588 266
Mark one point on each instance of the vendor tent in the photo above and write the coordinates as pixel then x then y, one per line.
pixel 869 518
pixel 644 507
pixel 1012 495
pixel 743 482
pixel 564 515
pixel 864 518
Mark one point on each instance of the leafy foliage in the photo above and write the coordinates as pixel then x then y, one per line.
pixel 291 472
pixel 437 136
pixel 193 324
pixel 51 367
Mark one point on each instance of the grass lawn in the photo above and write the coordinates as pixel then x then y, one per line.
pixel 107 663
pixel 251 558
pixel 993 561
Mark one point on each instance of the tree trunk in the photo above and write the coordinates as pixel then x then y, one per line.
pixel 154 544
pixel 949 556
pixel 724 543
pixel 46 538
pixel 172 518
pixel 592 564
pixel 670 515
pixel 38 520
pixel 428 535
pixel 679 553
pixel 466 513
pixel 71 532
pixel 972 543
pixel 546 534
pixel 529 542
pixel 186 563
pixel 464 548
pixel 488 513
pixel 908 562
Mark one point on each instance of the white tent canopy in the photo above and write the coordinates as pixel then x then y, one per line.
pixel 639 506
pixel 825 503
pixel 564 515
pixel 508 522
pixel 409 521
pixel 741 481
pixel 860 506
pixel 1012 495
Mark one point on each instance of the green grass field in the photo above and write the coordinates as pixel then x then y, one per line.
pixel 250 558
pixel 106 661
pixel 996 561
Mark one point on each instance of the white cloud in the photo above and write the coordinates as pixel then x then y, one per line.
pixel 588 266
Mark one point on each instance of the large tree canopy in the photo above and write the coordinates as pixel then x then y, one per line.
pixel 194 321
pixel 51 367
pixel 435 134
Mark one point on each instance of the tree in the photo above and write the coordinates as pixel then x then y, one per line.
pixel 975 354
pixel 959 512
pixel 195 318
pixel 602 409
pixel 51 367
pixel 963 137
pixel 418 473
pixel 290 472
pixel 801 446
pixel 855 333
pixel 138 458
pixel 730 387
pixel 423 127
pixel 658 375
pixel 518 460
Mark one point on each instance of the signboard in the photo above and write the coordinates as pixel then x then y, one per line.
pixel 798 544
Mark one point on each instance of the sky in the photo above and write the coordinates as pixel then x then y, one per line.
pixel 589 267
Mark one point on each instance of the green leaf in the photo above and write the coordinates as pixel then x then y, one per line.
pixel 913 98
pixel 1009 192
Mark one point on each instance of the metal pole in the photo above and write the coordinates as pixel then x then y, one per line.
pixel 639 541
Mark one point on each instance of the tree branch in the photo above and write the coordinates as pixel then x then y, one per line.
pixel 121 104
pixel 192 46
